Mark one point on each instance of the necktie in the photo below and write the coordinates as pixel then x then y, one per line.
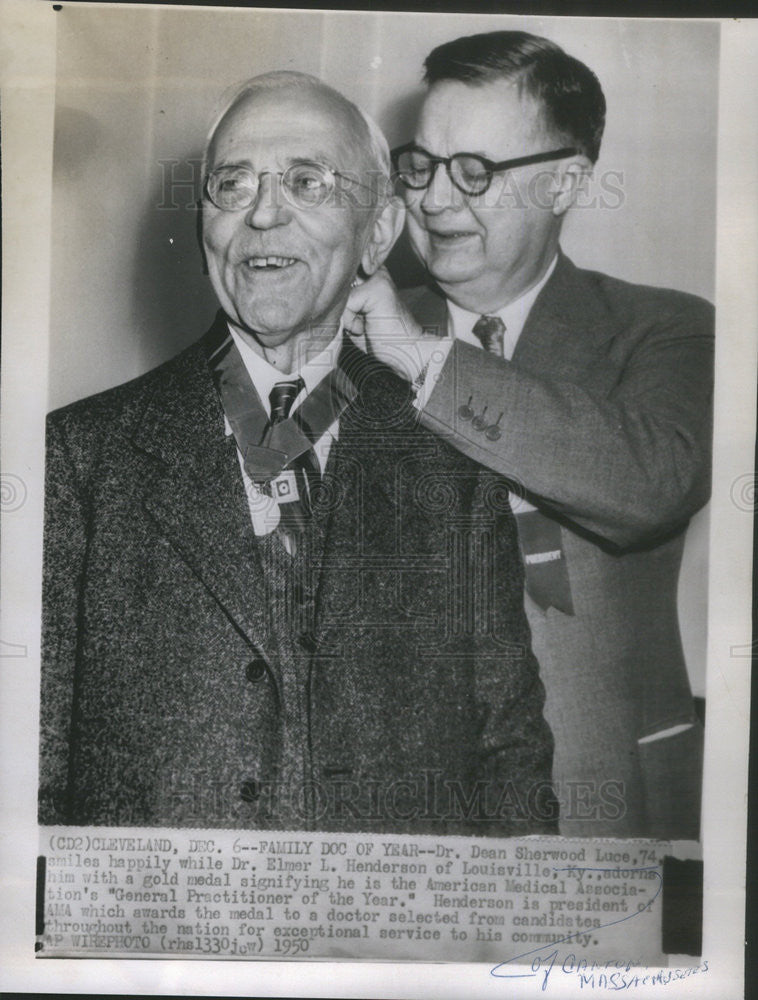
pixel 292 487
pixel 282 397
pixel 490 331
pixel 273 446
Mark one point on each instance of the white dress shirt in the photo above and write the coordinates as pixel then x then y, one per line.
pixel 461 321
pixel 264 510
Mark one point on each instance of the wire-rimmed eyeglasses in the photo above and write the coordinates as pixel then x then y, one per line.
pixel 305 185
pixel 470 173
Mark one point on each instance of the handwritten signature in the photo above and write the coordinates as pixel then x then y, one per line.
pixel 543 964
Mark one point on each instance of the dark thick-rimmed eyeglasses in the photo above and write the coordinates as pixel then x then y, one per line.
pixel 469 172
pixel 305 185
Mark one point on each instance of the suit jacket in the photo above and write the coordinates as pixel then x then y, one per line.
pixel 606 428
pixel 181 686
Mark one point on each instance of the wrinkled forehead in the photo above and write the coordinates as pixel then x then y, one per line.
pixel 290 124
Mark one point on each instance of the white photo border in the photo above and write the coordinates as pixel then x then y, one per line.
pixel 28 97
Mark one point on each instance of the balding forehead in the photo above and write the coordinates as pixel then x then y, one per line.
pixel 338 125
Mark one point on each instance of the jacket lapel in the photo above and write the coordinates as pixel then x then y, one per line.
pixel 194 492
pixel 565 327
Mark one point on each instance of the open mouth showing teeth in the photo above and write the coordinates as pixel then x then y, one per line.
pixel 276 262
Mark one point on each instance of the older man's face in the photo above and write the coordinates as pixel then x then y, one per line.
pixel 278 269
pixel 483 250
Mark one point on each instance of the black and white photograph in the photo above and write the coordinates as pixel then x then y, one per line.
pixel 384 473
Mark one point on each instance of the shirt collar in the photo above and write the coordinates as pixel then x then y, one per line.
pixel 264 376
pixel 461 321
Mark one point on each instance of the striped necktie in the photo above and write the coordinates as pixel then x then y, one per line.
pixel 292 488
pixel 490 330
pixel 281 398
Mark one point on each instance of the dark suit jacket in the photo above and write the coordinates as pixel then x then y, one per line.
pixel 170 693
pixel 606 427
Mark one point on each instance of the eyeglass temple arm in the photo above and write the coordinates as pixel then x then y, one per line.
pixel 523 161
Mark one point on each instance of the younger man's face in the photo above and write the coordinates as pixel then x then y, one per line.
pixel 482 249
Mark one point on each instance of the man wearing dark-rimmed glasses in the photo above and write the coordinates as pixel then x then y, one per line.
pixel 470 173
pixel 592 396
pixel 262 602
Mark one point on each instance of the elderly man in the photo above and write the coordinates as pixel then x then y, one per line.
pixel 271 599
pixel 592 396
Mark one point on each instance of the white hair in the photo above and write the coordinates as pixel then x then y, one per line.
pixel 372 143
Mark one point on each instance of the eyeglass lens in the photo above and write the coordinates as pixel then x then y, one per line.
pixel 416 170
pixel 305 184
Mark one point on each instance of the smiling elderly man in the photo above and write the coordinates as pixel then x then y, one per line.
pixel 271 598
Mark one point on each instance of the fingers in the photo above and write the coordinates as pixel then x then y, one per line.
pixel 374 310
pixel 353 322
pixel 376 296
pixel 361 296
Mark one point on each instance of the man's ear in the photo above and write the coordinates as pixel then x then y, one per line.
pixel 385 232
pixel 569 182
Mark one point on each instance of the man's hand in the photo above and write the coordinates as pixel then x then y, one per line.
pixel 374 311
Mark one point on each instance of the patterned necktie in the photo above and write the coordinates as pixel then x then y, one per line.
pixel 490 330
pixel 281 398
pixel 292 488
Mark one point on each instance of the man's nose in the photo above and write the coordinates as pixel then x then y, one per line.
pixel 441 194
pixel 270 207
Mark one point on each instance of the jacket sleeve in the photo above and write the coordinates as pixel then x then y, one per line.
pixel 629 463
pixel 63 563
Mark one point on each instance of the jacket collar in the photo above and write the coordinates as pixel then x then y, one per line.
pixel 193 489
pixel 182 424
pixel 570 300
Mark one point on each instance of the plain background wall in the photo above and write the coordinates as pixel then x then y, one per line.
pixel 138 88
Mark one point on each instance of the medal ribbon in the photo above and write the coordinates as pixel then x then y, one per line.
pixel 268 449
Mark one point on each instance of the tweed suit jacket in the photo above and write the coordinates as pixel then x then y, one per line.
pixel 166 697
pixel 606 428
